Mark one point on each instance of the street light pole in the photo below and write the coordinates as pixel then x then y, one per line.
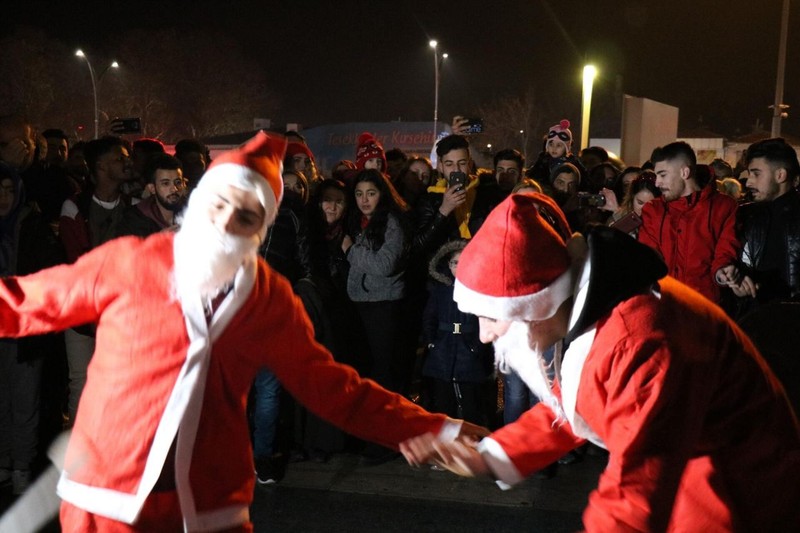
pixel 433 45
pixel 778 107
pixel 589 73
pixel 80 54
pixel 95 81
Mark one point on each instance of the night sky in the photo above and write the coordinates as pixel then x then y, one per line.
pixel 370 61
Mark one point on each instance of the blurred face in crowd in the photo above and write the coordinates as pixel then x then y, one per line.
pixel 763 181
pixel 76 164
pixel 641 198
pixel 417 178
pixel 169 188
pixel 627 178
pixel 421 171
pixel 375 163
pixel 57 150
pixel 7 194
pixel 566 182
pixel 293 184
pixel 194 165
pixel 671 178
pixel 507 174
pixel 17 145
pixel 454 161
pixel 367 197
pixel 333 205
pixel 116 164
pixel 301 162
pixel 453 262
pixel 556 148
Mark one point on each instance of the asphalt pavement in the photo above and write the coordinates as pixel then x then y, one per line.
pixel 343 495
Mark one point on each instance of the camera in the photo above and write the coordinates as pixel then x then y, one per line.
pixel 587 199
pixel 457 179
pixel 474 125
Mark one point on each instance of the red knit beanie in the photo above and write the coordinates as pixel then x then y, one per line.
pixel 369 147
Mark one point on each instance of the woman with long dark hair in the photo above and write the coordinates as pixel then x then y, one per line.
pixel 376 251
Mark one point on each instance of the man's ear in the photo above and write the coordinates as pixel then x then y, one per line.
pixel 781 175
pixel 686 172
pixel 150 188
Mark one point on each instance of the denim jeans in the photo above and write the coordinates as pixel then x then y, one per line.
pixel 266 400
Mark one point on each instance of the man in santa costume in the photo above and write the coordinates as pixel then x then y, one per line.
pixel 699 432
pixel 184 321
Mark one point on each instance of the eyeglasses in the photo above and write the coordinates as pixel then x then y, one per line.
pixel 563 135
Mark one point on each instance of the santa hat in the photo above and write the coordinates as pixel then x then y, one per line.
pixel 255 166
pixel 517 266
pixel 294 148
pixel 368 148
pixel 561 130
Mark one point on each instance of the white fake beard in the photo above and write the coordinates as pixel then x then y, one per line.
pixel 206 260
pixel 514 352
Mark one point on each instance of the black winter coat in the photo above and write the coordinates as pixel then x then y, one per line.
pixel 457 353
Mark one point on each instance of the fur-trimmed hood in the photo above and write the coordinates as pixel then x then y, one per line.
pixel 438 268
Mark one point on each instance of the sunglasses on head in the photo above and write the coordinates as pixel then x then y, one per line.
pixel 563 135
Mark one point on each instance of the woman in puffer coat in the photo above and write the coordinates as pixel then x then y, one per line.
pixel 458 365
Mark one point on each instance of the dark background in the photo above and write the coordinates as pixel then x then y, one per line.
pixel 358 60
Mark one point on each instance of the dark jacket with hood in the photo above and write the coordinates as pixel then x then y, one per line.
pixel 455 352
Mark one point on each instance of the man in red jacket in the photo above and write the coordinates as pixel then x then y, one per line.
pixel 184 322
pixel 691 225
pixel 699 432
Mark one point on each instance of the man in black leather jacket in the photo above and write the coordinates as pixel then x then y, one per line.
pixel 770 226
pixel 450 212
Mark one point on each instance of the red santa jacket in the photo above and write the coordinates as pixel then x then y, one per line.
pixel 695 235
pixel 161 373
pixel 699 432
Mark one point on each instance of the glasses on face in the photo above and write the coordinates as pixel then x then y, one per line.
pixel 563 135
pixel 7 190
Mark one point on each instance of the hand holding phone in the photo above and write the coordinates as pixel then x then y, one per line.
pixel 457 180
pixel 628 223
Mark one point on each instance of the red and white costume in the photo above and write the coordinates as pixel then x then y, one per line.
pixel 163 373
pixel 700 434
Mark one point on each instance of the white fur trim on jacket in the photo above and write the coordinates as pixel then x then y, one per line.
pixel 536 306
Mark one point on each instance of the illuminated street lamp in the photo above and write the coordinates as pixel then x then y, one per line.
pixel 113 64
pixel 589 74
pixel 433 44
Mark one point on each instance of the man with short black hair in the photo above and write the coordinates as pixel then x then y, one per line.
pixel 771 225
pixel 453 211
pixel 166 187
pixel 195 158
pixel 508 167
pixel 692 226
pixel 88 220
pixel 57 147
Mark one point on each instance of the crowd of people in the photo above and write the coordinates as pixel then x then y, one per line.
pixel 372 252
